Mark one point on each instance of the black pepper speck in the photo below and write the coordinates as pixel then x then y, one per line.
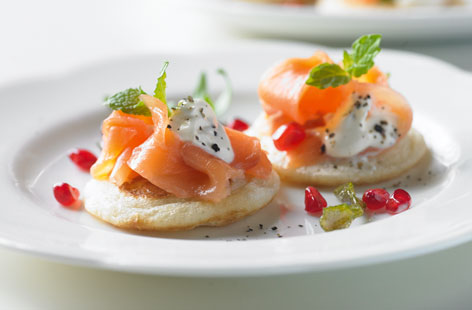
pixel 323 148
pixel 379 129
pixel 215 147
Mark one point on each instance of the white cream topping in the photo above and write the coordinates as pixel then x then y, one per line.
pixel 195 121
pixel 360 130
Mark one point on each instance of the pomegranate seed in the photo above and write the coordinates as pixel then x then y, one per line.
pixel 288 136
pixel 398 202
pixel 83 159
pixel 238 124
pixel 375 199
pixel 314 202
pixel 67 195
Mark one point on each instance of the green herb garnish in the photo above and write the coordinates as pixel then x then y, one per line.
pixel 356 64
pixel 128 100
pixel 346 194
pixel 201 91
pixel 362 56
pixel 337 217
pixel 160 90
pixel 222 103
pixel 328 75
pixel 341 216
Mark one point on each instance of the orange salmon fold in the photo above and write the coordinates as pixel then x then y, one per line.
pixel 154 152
pixel 285 98
pixel 283 88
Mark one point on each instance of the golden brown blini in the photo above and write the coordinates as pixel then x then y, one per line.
pixel 331 172
pixel 143 206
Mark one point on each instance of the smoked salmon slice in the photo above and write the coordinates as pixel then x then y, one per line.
pixel 121 133
pixel 286 97
pixel 144 146
pixel 283 88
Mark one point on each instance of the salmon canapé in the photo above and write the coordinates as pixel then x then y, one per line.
pixel 362 116
pixel 136 145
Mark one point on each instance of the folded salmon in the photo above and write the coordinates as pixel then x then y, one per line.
pixel 146 146
pixel 286 97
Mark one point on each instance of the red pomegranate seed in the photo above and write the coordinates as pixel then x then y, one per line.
pixel 375 199
pixel 83 159
pixel 314 202
pixel 67 195
pixel 398 202
pixel 288 136
pixel 238 124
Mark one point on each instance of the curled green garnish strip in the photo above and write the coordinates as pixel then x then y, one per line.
pixel 201 91
pixel 337 217
pixel 161 85
pixel 341 216
pixel 356 64
pixel 128 100
pixel 222 103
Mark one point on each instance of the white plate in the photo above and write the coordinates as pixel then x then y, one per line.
pixel 312 23
pixel 42 120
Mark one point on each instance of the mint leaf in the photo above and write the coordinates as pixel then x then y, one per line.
pixel 328 75
pixel 363 53
pixel 347 60
pixel 223 101
pixel 128 101
pixel 160 90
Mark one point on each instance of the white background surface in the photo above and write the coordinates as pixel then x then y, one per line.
pixel 50 37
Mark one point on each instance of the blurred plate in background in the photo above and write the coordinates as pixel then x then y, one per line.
pixel 315 23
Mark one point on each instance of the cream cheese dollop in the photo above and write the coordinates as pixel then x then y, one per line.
pixel 195 121
pixel 364 126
